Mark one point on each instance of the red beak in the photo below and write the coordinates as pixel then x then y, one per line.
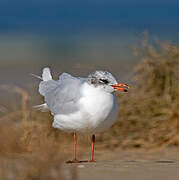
pixel 121 87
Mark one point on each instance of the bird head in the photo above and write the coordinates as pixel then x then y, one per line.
pixel 106 81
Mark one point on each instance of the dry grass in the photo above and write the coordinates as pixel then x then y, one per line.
pixel 148 118
pixel 30 148
pixel 149 113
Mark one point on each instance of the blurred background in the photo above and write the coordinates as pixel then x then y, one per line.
pixel 79 36
pixel 136 40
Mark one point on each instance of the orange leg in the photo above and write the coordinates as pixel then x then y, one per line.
pixel 92 148
pixel 75 142
pixel 74 153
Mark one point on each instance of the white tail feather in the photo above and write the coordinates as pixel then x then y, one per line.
pixel 41 107
pixel 36 76
pixel 46 75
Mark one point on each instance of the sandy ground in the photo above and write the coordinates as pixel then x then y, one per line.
pixel 127 165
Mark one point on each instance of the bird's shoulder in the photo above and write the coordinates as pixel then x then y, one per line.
pixel 63 98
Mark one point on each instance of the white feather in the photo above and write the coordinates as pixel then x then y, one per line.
pixel 46 75
pixel 41 107
pixel 34 75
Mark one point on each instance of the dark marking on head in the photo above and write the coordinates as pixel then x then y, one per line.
pixel 105 81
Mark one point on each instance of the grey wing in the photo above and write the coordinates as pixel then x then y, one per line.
pixel 63 99
pixel 47 86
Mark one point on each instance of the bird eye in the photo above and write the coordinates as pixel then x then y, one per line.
pixel 105 81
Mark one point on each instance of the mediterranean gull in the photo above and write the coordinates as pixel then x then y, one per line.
pixel 84 105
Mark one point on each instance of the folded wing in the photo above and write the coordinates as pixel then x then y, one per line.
pixel 61 96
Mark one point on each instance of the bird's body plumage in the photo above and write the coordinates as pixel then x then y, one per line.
pixel 95 111
pixel 77 105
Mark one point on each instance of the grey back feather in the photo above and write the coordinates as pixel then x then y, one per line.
pixel 61 95
pixel 47 86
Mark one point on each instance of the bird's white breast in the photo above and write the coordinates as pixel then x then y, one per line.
pixel 99 106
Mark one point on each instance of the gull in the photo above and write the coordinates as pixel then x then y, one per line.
pixel 81 105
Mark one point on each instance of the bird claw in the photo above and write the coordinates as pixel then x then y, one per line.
pixel 75 161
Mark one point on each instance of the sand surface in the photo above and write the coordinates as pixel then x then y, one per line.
pixel 127 165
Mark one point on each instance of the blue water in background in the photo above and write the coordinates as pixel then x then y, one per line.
pixel 79 36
